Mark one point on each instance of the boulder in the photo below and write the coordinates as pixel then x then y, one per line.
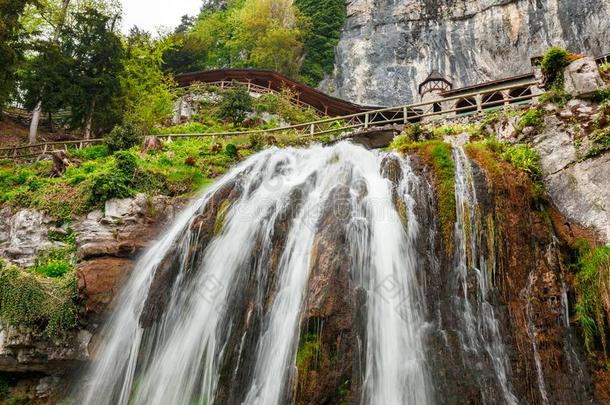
pixel 23 236
pixel 99 280
pixel 582 78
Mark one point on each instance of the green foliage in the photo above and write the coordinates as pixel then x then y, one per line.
pixel 534 117
pixel 265 34
pixel 604 71
pixel 555 95
pixel 123 137
pixel 553 63
pixel 41 305
pixel 602 95
pixel 11 48
pixel 592 292
pixel 235 105
pixel 412 133
pixel 523 157
pixel 600 141
pixel 97 52
pixel 118 182
pixel 327 18
pixel 147 95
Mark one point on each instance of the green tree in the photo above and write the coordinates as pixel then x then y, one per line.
pixel 46 80
pixel 11 46
pixel 97 51
pixel 146 92
pixel 268 34
pixel 327 19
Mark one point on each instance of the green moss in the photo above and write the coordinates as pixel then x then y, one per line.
pixel 592 292
pixel 220 217
pixel 42 305
pixel 309 349
pixel 439 156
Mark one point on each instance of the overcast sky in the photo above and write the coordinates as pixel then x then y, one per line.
pixel 151 14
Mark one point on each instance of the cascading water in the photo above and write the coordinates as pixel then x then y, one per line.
pixel 222 293
pixel 474 266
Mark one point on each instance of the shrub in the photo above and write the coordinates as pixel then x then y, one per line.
pixel 257 141
pixel 122 137
pixel 53 268
pixel 231 150
pixel 235 105
pixel 555 95
pixel 523 157
pixel 126 163
pixel 553 63
pixel 117 182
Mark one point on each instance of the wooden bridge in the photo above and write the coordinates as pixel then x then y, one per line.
pixel 345 117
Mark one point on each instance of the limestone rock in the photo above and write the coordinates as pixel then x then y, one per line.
pixel 579 189
pixel 21 351
pixel 582 78
pixel 388 47
pixel 23 235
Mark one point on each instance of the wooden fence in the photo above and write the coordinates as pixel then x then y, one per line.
pixel 444 108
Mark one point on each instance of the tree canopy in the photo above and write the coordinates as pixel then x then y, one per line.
pixel 70 56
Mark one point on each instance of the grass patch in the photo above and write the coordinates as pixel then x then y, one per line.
pixel 592 293
pixel 534 117
pixel 522 157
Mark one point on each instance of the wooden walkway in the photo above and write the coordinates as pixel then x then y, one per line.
pixel 447 108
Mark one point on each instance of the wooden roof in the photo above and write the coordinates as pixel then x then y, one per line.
pixel 332 106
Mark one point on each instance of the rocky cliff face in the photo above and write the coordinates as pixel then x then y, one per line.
pixel 388 47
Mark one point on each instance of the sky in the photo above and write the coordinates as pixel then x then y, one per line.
pixel 151 14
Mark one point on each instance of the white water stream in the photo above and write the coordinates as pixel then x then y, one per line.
pixel 179 360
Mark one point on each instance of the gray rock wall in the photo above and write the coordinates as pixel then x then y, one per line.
pixel 389 46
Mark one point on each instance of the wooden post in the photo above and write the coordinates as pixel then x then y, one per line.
pixel 366 120
pixel 312 130
pixel 405 115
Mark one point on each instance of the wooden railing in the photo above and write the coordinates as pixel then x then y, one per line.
pixel 252 88
pixel 445 108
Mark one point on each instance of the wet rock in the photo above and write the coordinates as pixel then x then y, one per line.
pixel 582 78
pixel 22 351
pixel 99 280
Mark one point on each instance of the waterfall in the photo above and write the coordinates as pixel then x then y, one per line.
pixel 474 267
pixel 223 292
